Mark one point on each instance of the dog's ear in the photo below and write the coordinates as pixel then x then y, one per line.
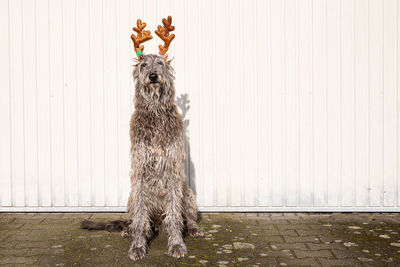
pixel 167 61
pixel 138 62
pixel 136 72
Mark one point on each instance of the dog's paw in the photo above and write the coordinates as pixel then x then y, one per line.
pixel 137 253
pixel 196 232
pixel 177 251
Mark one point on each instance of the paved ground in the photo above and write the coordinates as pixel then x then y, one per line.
pixel 267 239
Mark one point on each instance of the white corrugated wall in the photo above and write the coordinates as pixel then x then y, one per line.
pixel 293 104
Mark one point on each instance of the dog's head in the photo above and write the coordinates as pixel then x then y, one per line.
pixel 154 76
pixel 153 71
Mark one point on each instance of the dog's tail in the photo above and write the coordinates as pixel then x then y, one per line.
pixel 111 226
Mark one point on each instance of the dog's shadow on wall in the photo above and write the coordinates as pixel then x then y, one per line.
pixel 182 102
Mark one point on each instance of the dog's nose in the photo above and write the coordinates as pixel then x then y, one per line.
pixel 153 77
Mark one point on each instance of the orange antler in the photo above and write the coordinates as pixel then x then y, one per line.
pixel 141 37
pixel 163 33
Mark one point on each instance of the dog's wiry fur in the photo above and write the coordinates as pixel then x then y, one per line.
pixel 158 190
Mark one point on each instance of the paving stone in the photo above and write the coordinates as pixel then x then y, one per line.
pixel 321 232
pixel 17 260
pixel 339 262
pixel 342 254
pixel 277 253
pixel 324 253
pixel 331 239
pixel 31 251
pixel 266 261
pixel 271 239
pixel 333 245
pixel 6 220
pixel 29 220
pixel 298 262
pixel 281 227
pixel 298 246
pixel 301 239
pixel 10 226
pixel 289 232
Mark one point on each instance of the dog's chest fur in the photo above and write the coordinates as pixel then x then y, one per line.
pixel 157 140
pixel 156 131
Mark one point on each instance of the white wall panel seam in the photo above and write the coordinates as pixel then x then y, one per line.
pixel 270 100
pixel 354 105
pixel 257 108
pixel 397 102
pixel 297 85
pixel 214 106
pixel 383 102
pixel 312 101
pixel 10 104
pixel 283 99
pixel 23 97
pixel 340 101
pixel 369 109
pixel 241 48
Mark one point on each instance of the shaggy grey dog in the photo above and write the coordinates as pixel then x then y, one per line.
pixel 159 195
pixel 158 189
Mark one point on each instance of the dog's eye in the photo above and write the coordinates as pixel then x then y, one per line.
pixel 143 65
pixel 159 62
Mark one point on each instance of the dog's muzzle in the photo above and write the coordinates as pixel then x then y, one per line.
pixel 153 77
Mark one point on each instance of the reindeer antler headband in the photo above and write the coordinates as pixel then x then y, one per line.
pixel 142 36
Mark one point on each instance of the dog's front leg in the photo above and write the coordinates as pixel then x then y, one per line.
pixel 140 227
pixel 190 212
pixel 173 222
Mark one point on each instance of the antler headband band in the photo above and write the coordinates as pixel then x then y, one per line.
pixel 142 36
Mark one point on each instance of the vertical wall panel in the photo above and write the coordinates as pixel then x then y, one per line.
pixel 263 102
pixel 249 96
pixel 277 91
pixel 398 99
pixel 124 56
pixel 207 68
pixel 97 96
pixel 110 103
pixel 375 74
pixel 178 13
pixel 361 103
pixel 57 103
pixel 43 103
pixel 221 101
pixel 84 103
pixel 30 102
pixel 5 131
pixel 333 107
pixel 390 106
pixel 347 103
pixel 305 98
pixel 288 105
pixel 235 105
pixel 70 102
pixel 291 94
pixel 320 103
pixel 17 104
pixel 193 90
